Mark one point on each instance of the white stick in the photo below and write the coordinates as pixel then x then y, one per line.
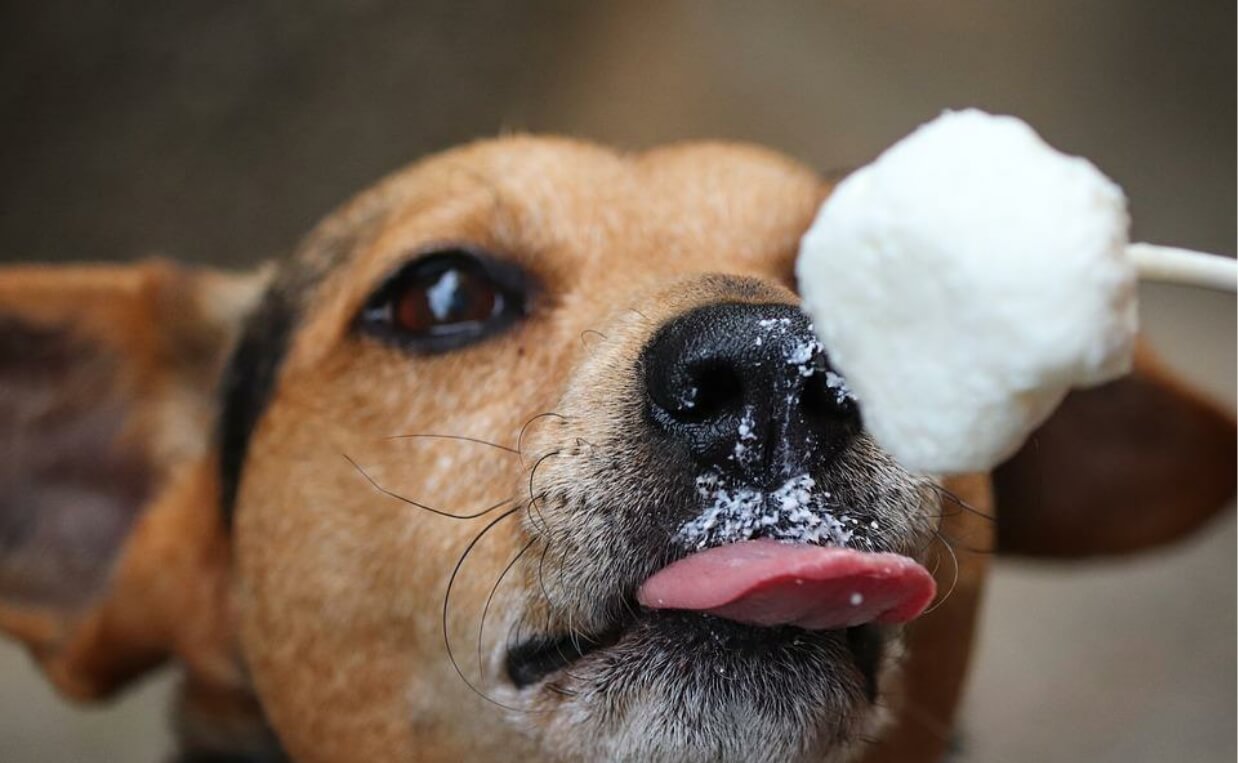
pixel 1182 266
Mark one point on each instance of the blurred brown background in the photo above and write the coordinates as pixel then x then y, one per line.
pixel 218 132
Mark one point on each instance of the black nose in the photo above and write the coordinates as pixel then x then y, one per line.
pixel 747 388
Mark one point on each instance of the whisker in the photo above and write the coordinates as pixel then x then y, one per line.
pixel 586 332
pixel 564 657
pixel 957 501
pixel 463 438
pixel 486 609
pixel 574 635
pixel 945 514
pixel 922 548
pixel 532 500
pixel 551 607
pixel 515 632
pixel 527 424
pixel 447 605
pixel 560 690
pixel 532 509
pixel 953 583
pixel 533 471
pixel 422 506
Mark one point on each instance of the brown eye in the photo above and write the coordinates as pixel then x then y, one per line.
pixel 440 301
pixel 445 300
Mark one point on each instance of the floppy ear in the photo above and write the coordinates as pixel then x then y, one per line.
pixel 112 555
pixel 1132 464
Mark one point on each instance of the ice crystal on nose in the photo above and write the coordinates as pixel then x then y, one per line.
pixel 747 433
pixel 801 356
pixel 794 511
pixel 842 393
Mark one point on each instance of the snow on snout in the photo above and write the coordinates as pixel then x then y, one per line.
pixel 795 511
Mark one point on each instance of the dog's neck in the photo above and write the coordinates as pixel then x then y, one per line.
pixel 215 725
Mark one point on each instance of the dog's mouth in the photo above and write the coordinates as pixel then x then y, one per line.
pixel 759 592
pixel 540 657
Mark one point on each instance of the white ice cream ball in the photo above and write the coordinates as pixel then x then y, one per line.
pixel 962 284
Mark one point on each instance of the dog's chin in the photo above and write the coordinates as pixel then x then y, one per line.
pixel 666 685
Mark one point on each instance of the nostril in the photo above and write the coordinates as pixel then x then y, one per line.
pixel 713 388
pixel 821 402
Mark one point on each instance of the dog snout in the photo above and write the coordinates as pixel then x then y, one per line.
pixel 747 389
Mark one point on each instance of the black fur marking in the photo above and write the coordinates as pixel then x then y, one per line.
pixel 248 384
pixel 252 371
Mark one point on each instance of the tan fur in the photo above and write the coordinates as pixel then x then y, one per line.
pixel 326 594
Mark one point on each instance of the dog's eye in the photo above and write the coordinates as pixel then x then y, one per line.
pixel 445 300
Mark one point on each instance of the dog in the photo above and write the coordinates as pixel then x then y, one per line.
pixel 393 498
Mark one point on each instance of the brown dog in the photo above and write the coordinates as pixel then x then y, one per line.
pixel 412 524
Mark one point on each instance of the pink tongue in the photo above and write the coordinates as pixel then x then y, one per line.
pixel 765 582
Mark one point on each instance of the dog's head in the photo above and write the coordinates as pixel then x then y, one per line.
pixel 396 496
